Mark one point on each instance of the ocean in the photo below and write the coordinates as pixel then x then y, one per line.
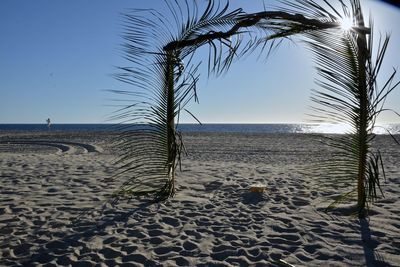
pixel 208 127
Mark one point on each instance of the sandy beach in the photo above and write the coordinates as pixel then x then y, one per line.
pixel 54 210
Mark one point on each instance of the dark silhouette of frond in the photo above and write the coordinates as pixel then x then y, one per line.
pixel 348 93
pixel 157 47
pixel 150 145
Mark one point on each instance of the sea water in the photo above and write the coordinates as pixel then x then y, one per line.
pixel 208 127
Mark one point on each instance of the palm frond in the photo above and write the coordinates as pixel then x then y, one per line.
pixel 157 46
pixel 163 85
pixel 198 29
pixel 348 93
pixel 291 19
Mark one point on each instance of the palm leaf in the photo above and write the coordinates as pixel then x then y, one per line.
pixel 150 144
pixel 348 94
pixel 348 91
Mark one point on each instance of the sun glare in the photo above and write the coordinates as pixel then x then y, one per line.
pixel 346 24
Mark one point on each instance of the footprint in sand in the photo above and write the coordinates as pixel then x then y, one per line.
pixel 170 221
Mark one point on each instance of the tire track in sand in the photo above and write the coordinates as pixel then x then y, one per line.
pixel 63 146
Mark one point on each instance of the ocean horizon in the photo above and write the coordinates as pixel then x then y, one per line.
pixel 301 128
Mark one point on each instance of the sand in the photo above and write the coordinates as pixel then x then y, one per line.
pixel 53 188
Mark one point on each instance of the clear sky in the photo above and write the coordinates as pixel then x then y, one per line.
pixel 57 58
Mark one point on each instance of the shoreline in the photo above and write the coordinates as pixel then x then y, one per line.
pixel 242 128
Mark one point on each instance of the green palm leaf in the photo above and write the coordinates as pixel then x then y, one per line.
pixel 348 93
pixel 150 145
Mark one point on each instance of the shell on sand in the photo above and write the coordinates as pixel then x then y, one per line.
pixel 257 188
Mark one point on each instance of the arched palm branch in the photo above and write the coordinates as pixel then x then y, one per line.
pixel 348 86
pixel 152 147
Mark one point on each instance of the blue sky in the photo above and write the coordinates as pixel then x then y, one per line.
pixel 57 59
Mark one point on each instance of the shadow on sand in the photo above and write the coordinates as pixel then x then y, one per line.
pixel 253 198
pixel 372 258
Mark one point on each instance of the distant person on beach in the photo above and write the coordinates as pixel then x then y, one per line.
pixel 48 123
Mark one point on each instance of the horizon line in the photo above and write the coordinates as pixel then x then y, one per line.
pixel 194 123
